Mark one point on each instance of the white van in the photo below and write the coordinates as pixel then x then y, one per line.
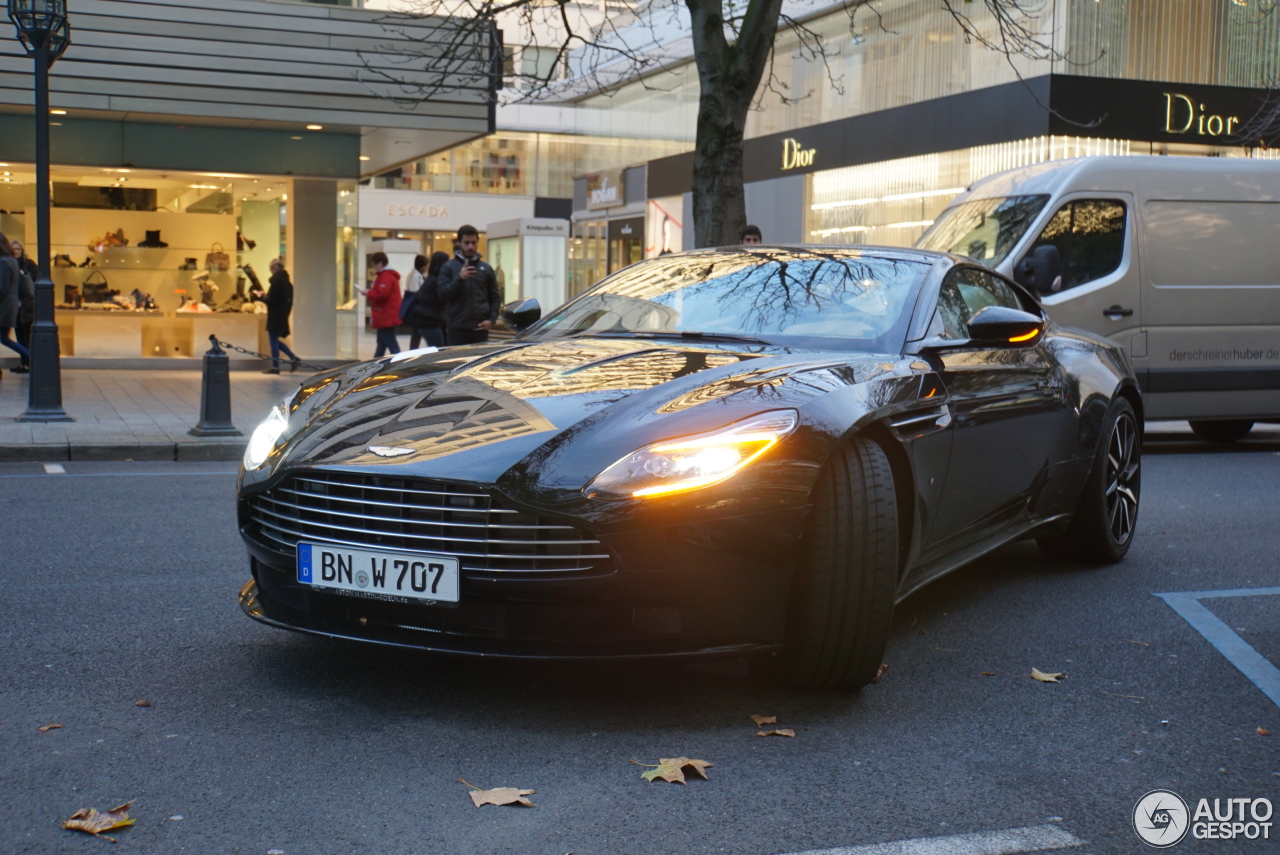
pixel 1176 258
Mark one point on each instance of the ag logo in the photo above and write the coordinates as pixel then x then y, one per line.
pixel 1160 818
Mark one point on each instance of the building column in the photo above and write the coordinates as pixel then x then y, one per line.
pixel 310 238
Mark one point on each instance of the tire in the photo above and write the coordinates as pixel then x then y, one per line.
pixel 1225 430
pixel 1102 529
pixel 843 593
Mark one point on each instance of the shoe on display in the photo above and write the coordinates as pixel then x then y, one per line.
pixel 88 262
pixel 153 241
pixel 63 261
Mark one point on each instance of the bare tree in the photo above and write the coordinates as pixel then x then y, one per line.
pixel 571 48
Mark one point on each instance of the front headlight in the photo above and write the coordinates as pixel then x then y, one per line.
pixel 692 462
pixel 267 434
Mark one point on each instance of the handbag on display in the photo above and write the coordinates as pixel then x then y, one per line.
pixel 217 258
pixel 94 288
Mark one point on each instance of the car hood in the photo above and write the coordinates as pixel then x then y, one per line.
pixel 472 413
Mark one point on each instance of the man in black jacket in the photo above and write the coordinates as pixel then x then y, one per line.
pixel 469 289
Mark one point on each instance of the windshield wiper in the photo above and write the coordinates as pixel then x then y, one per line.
pixel 697 335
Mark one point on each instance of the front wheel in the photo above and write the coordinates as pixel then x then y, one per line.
pixel 842 597
pixel 1222 430
pixel 1102 529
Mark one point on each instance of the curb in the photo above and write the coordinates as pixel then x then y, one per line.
pixel 179 451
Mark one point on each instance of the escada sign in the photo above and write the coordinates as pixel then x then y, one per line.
pixel 794 155
pixel 1182 115
pixel 416 211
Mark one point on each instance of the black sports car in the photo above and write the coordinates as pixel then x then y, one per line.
pixel 720 452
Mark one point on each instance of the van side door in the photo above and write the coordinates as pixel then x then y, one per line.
pixel 1100 289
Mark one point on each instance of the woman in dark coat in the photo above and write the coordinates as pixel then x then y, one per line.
pixel 279 305
pixel 10 302
pixel 426 315
pixel 27 314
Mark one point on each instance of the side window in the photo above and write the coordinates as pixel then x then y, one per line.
pixel 966 292
pixel 1089 235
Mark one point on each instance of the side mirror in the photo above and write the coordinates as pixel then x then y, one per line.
pixel 522 313
pixel 1040 272
pixel 997 325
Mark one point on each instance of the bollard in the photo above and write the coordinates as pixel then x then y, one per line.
pixel 215 395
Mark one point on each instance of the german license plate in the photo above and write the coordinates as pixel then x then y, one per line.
pixel 379 575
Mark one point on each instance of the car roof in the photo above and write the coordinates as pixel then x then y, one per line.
pixel 780 252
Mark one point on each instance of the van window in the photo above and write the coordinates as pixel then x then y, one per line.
pixel 968 291
pixel 1089 235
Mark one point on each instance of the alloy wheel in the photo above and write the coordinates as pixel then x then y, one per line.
pixel 1122 478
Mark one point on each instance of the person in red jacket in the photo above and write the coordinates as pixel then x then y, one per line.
pixel 384 300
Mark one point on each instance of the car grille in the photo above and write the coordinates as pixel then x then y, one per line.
pixel 380 512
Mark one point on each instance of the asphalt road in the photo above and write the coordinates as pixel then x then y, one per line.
pixel 120 584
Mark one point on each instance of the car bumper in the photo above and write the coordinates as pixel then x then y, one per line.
pixel 717 588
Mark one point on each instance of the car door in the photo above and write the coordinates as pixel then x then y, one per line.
pixel 1010 418
pixel 1100 289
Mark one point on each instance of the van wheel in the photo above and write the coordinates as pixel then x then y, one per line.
pixel 1102 529
pixel 1226 430
pixel 842 596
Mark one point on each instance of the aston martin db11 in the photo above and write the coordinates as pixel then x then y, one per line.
pixel 725 452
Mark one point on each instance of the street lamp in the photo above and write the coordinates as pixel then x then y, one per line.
pixel 45 32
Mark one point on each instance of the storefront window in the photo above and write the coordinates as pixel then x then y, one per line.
pixel 587 256
pixel 149 264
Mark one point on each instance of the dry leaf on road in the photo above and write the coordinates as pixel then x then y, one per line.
pixel 764 719
pixel 785 731
pixel 986 673
pixel 1262 731
pixel 92 821
pixel 879 673
pixel 500 796
pixel 142 702
pixel 672 769
pixel 1037 674
pixel 48 727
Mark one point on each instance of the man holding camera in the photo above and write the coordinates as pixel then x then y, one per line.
pixel 469 289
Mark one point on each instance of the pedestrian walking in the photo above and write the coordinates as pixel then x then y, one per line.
pixel 425 311
pixel 11 303
pixel 470 292
pixel 27 295
pixel 279 300
pixel 384 300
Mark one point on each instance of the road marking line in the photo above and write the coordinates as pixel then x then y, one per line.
pixel 55 469
pixel 1009 841
pixel 219 472
pixel 1237 651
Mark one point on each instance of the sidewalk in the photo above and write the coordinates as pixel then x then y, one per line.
pixel 138 414
pixel 134 415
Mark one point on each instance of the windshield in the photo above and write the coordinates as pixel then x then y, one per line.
pixel 985 230
pixel 775 296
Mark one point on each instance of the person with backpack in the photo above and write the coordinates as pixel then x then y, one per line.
pixel 422 310
pixel 469 289
pixel 384 301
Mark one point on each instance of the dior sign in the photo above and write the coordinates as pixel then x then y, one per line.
pixel 1185 115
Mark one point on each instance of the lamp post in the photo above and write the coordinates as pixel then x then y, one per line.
pixel 45 32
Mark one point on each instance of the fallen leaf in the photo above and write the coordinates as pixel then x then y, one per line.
pixel 92 821
pixel 48 727
pixel 786 731
pixel 923 631
pixel 672 769
pixel 879 673
pixel 1130 697
pixel 764 719
pixel 500 796
pixel 1143 643
pixel 1262 731
pixel 142 702
pixel 1046 678
pixel 987 673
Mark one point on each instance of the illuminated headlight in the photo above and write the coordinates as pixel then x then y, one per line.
pixel 693 462
pixel 267 434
